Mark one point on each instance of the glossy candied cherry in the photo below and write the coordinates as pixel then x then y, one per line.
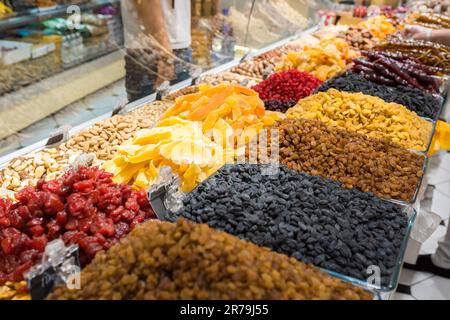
pixel 52 203
pixel 83 207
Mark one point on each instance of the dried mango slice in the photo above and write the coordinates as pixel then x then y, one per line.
pixel 127 172
pixel 222 133
pixel 189 152
pixel 151 136
pixel 172 121
pixel 145 153
pixel 215 101
pixel 238 106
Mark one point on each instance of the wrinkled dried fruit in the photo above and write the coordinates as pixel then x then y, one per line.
pixel 82 207
pixel 309 218
pixel 368 115
pixel 162 260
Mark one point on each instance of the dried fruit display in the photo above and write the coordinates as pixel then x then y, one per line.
pixel 180 93
pixel 369 165
pixel 104 137
pixel 14 291
pixel 322 62
pixel 291 85
pixel 174 142
pixel 253 68
pixel 260 65
pixel 347 53
pixel 358 38
pixel 229 78
pixel 82 207
pixel 379 26
pixel 306 217
pixel 429 53
pixel 368 115
pixel 429 20
pixel 422 103
pixel 225 107
pixel 152 111
pixel 279 106
pixel 395 70
pixel 27 170
pixel 192 261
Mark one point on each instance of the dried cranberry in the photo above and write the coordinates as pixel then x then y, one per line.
pixel 37 230
pixel 291 85
pixel 132 204
pixel 53 204
pixel 72 224
pixel 76 204
pixel 61 217
pixel 122 228
pixel 85 185
pixel 53 186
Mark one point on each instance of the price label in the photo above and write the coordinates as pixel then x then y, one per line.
pixel 157 202
pixel 118 109
pixel 162 90
pixel 60 265
pixel 58 136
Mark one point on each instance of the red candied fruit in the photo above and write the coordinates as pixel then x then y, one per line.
pixel 291 85
pixel 83 207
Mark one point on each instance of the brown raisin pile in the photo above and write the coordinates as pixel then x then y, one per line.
pixel 370 165
pixel 162 260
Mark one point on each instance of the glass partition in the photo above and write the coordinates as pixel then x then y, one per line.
pixel 68 63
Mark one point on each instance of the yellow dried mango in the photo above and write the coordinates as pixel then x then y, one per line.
pixel 180 145
pixel 239 106
pixel 379 26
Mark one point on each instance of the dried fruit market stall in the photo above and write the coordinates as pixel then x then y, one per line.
pixel 285 174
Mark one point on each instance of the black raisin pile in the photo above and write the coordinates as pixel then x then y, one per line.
pixel 424 104
pixel 280 106
pixel 309 218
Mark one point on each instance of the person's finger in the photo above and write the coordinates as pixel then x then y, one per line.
pixel 410 31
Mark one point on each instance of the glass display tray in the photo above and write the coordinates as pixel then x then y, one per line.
pixel 411 212
pixel 393 282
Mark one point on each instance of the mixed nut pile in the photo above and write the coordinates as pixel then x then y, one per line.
pixel 358 37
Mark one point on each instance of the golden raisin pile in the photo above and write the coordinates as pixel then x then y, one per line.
pixel 370 165
pixel 14 291
pixel 162 260
pixel 368 115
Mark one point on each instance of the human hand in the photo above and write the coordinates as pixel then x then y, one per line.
pixel 417 33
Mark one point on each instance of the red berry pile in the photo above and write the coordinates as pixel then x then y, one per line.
pixel 291 85
pixel 83 207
